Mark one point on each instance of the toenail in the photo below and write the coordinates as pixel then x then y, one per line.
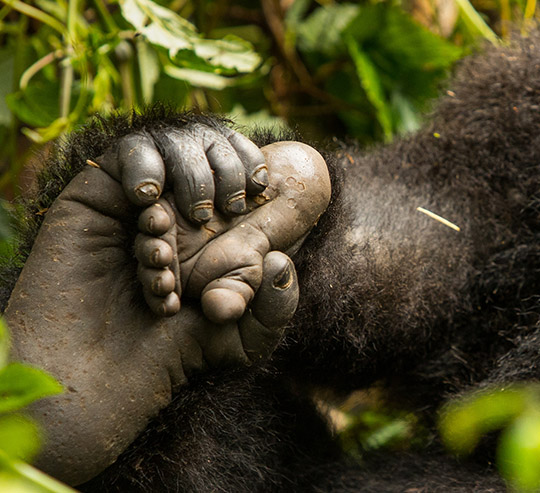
pixel 260 175
pixel 202 212
pixel 147 192
pixel 236 204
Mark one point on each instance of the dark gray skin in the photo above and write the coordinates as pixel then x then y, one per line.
pixel 76 309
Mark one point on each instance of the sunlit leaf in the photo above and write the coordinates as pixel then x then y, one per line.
pixel 165 28
pixel 369 78
pixel 198 78
pixel 260 119
pixel 148 68
pixel 519 452
pixel 19 437
pixel 322 30
pixel 54 130
pixel 20 385
pixel 13 483
pixel 407 119
pixel 464 421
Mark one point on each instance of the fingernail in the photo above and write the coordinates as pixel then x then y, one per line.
pixel 284 279
pixel 236 204
pixel 155 256
pixel 147 192
pixel 202 212
pixel 260 175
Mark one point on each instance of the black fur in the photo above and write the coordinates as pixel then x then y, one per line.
pixel 387 295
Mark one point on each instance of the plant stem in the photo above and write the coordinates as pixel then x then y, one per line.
pixel 66 81
pixel 39 478
pixel 473 18
pixel 37 14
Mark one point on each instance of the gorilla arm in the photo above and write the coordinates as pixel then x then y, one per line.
pixel 76 311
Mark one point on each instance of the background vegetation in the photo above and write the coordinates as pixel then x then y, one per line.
pixel 365 69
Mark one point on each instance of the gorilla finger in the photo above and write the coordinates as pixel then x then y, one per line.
pixel 225 300
pixel 163 306
pixel 155 220
pixel 153 252
pixel 274 305
pixel 189 172
pixel 277 298
pixel 229 177
pixel 160 282
pixel 252 159
pixel 137 164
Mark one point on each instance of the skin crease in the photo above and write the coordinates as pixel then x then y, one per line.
pixel 75 310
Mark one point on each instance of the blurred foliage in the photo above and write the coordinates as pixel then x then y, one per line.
pixel 516 411
pixel 364 69
pixel 20 385
pixel 379 428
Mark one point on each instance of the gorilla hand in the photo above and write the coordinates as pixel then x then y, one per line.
pixel 75 310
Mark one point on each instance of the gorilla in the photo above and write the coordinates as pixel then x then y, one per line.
pixel 194 290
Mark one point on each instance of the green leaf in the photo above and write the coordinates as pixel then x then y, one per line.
pixel 415 45
pixel 369 78
pixel 199 78
pixel 260 119
pixel 37 105
pixel 21 385
pixel 407 118
pixel 19 437
pixel 519 452
pixel 322 30
pixel 165 28
pixel 463 422
pixel 4 343
pixel 148 68
pixel 391 32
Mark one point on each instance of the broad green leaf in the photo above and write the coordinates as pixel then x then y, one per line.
pixel 37 105
pixel 407 118
pixel 391 32
pixel 165 28
pixel 322 30
pixel 148 68
pixel 21 385
pixel 415 45
pixel 260 119
pixel 4 343
pixel 475 22
pixel 369 78
pixel 102 85
pixel 19 437
pixel 368 24
pixel 198 78
pixel 463 422
pixel 519 452
pixel 295 13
